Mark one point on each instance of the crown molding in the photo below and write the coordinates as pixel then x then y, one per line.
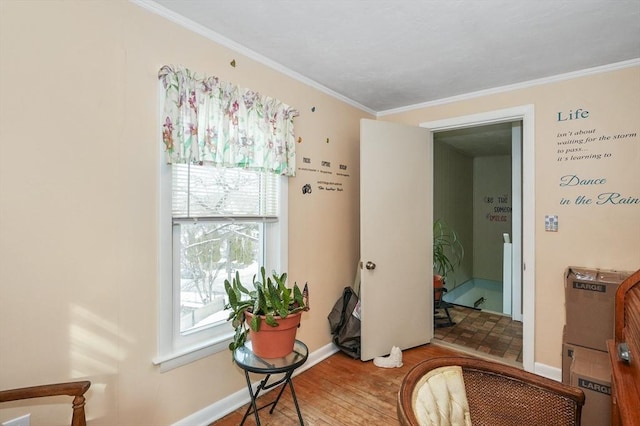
pixel 190 25
pixel 517 86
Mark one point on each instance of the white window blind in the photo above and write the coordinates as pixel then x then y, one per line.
pixel 201 192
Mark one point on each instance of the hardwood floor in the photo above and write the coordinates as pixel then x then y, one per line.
pixel 341 391
pixel 495 336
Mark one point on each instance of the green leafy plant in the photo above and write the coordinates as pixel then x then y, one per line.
pixel 448 251
pixel 270 299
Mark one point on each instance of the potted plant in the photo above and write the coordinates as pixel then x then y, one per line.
pixel 269 314
pixel 448 252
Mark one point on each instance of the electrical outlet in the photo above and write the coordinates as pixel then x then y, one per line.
pixel 19 421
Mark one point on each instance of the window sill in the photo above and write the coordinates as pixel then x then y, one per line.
pixel 178 358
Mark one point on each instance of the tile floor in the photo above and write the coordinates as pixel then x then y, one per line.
pixel 485 332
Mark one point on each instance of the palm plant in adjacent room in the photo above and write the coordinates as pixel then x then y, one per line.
pixel 448 251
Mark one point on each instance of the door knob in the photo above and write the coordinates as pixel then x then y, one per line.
pixel 370 266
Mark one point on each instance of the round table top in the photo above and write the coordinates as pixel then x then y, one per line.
pixel 247 360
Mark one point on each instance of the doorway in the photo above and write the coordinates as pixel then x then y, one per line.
pixel 523 246
pixel 474 174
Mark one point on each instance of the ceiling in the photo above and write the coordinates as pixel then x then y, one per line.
pixel 483 141
pixel 392 54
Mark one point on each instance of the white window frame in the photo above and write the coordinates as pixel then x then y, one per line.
pixel 175 350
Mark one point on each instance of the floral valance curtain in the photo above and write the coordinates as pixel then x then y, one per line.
pixel 208 121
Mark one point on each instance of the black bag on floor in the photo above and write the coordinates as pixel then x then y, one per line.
pixel 344 322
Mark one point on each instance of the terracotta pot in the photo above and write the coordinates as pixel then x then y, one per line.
pixel 438 282
pixel 274 342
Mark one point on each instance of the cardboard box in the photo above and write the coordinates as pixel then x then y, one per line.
pixel 568 350
pixel 567 358
pixel 589 303
pixel 591 372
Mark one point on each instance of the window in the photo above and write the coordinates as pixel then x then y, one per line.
pixel 214 222
pixel 222 204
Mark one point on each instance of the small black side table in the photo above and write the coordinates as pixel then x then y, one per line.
pixel 250 362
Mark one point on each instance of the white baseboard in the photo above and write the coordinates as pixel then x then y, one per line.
pixel 548 371
pixel 227 405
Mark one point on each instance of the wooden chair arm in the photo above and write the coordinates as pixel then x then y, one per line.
pixel 74 389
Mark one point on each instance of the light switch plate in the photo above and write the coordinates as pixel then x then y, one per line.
pixel 551 223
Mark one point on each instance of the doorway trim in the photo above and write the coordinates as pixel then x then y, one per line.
pixel 525 113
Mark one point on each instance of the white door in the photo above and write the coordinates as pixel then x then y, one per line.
pixel 396 226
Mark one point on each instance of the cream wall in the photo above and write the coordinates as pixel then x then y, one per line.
pixel 453 202
pixel 491 180
pixel 605 236
pixel 78 206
